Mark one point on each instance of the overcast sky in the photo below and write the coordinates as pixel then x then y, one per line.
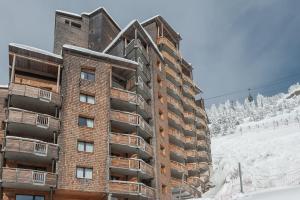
pixel 233 44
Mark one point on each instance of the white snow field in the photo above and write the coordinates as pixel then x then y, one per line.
pixel 269 152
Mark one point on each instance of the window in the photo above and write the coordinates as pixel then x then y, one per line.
pixel 86 122
pixel 29 197
pixel 83 172
pixel 161 98
pixel 158 64
pixel 163 150
pixel 87 98
pixel 164 189
pixel 163 169
pixel 67 22
pixel 76 25
pixel 162 132
pixel 85 147
pixel 161 114
pixel 87 75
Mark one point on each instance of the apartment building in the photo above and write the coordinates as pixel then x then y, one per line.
pixel 111 114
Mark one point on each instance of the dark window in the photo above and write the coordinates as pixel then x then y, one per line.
pixel 67 22
pixel 82 121
pixel 87 75
pixel 76 25
pixel 29 197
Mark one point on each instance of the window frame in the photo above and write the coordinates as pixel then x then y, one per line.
pixel 84 172
pixel 86 122
pixel 86 96
pixel 33 196
pixel 85 143
pixel 85 74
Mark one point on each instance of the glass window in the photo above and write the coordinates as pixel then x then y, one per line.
pixel 82 121
pixel 82 172
pixel 87 75
pixel 29 197
pixel 85 147
pixel 87 99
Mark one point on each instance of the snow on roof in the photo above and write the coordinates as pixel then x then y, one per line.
pixel 125 29
pixel 150 19
pixel 40 51
pixel 3 86
pixel 99 8
pixel 99 54
pixel 68 13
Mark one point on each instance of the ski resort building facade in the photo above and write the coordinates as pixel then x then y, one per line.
pixel 111 114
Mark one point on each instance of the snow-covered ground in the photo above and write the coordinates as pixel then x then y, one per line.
pixel 268 151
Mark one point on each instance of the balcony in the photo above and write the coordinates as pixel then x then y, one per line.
pixel 189 129
pixel 200 112
pixel 188 104
pixel 138 86
pixel 126 100
pixel 175 121
pixel 28 179
pixel 169 44
pixel 183 188
pixel 201 135
pixel 129 122
pixel 177 153
pixel 193 167
pixel 189 117
pixel 176 137
pixel 131 190
pixel 174 105
pixel 173 76
pixel 203 156
pixel 130 167
pixel 202 145
pixel 140 50
pixel 195 181
pixel 187 80
pixel 178 168
pixel 33 98
pixel 192 154
pixel 203 166
pixel 188 91
pixel 130 144
pixel 29 124
pixel 173 90
pixel 190 141
pixel 22 149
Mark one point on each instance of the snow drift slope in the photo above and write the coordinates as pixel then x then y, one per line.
pixel 268 151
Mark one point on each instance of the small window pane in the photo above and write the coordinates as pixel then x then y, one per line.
pixel 90 99
pixel 90 123
pixel 89 147
pixel 82 121
pixel 91 76
pixel 79 172
pixel 39 198
pixel 83 75
pixel 88 173
pixel 80 146
pixel 24 197
pixel 82 98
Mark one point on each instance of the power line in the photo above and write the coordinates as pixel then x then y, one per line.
pixel 276 82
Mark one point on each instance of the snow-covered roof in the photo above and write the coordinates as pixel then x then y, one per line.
pixel 132 23
pixel 99 54
pixel 90 14
pixel 36 50
pixel 3 86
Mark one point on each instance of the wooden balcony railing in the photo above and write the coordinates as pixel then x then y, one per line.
pixel 174 88
pixel 175 75
pixel 203 166
pixel 34 92
pixel 201 134
pixel 175 103
pixel 189 127
pixel 178 167
pixel 20 177
pixel 137 43
pixel 202 143
pixel 188 89
pixel 192 166
pixel 187 79
pixel 203 155
pixel 192 153
pixel 133 141
pixel 175 133
pixel 131 188
pixel 178 120
pixel 131 164
pixel 177 150
pixel 190 140
pixel 30 146
pixel 164 40
pixel 131 118
pixel 130 97
pixel 31 118
pixel 188 101
pixel 189 115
